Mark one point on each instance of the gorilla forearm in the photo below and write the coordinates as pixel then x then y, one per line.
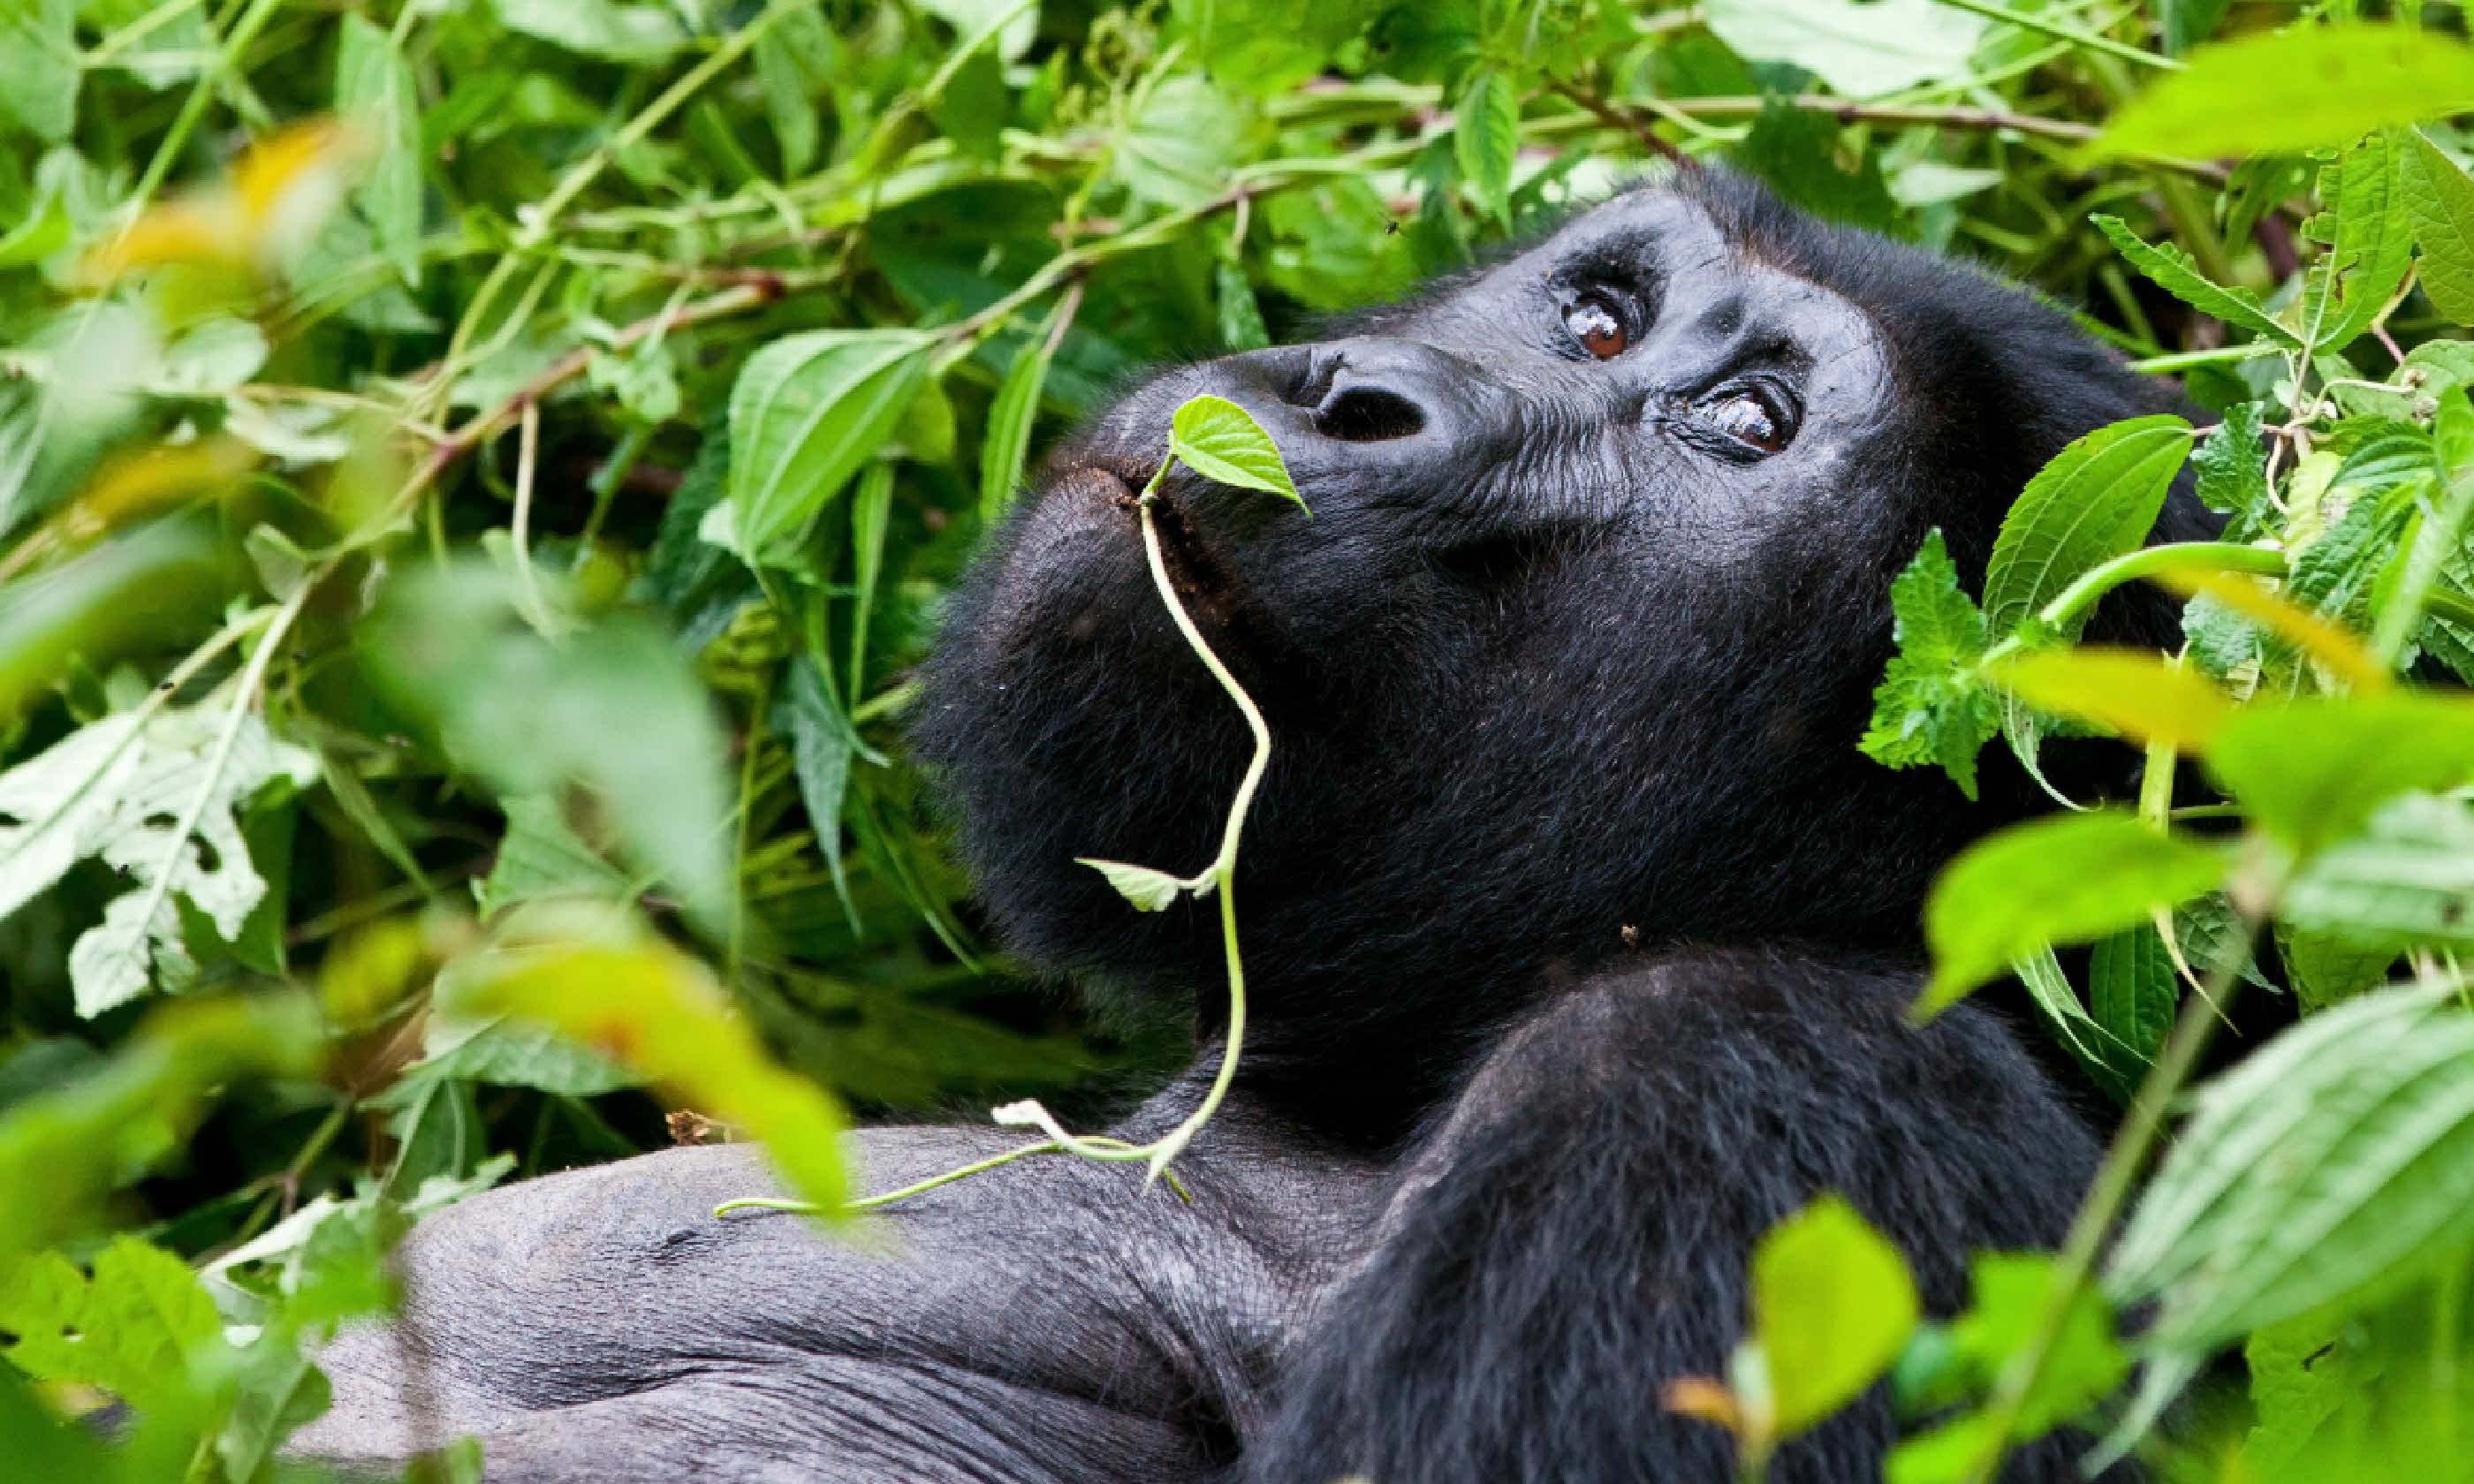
pixel 1045 1320
pixel 1575 1234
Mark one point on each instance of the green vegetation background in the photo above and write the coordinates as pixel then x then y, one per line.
pixel 476 476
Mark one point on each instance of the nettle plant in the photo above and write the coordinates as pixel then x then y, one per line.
pixel 2311 1208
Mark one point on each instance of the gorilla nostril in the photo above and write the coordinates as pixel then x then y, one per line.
pixel 1368 415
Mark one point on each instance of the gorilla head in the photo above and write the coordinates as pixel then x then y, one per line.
pixel 1573 652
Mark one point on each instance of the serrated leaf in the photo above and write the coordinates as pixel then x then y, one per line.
pixel 1930 706
pixel 2095 501
pixel 376 92
pixel 1221 441
pixel 2407 878
pixel 2133 992
pixel 2057 880
pixel 1149 889
pixel 130 1330
pixel 2440 197
pixel 1832 1303
pixel 1486 136
pixel 2231 467
pixel 2177 273
pixel 2315 1171
pixel 807 411
pixel 2290 91
pixel 2370 244
pixel 115 791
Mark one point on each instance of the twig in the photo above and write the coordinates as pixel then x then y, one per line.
pixel 1640 126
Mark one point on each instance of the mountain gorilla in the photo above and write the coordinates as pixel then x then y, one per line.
pixel 1579 933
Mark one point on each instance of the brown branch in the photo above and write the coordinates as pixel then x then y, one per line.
pixel 754 293
pixel 1640 123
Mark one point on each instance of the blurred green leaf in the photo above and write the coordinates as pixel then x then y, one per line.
pixel 2286 91
pixel 1832 1303
pixel 597 28
pixel 1862 49
pixel 2058 880
pixel 2328 1164
pixel 612 706
pixel 376 91
pixel 39 68
pixel 2313 771
pixel 1486 135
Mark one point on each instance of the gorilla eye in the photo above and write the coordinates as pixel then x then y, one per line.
pixel 1594 322
pixel 1753 417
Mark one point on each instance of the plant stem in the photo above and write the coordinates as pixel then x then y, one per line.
pixel 2062 32
pixel 2193 1028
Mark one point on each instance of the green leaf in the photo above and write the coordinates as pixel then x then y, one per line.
pixel 2319 1170
pixel 613 707
pixel 1221 441
pixel 115 792
pixel 2177 273
pixel 2084 1363
pixel 1149 889
pixel 2313 771
pixel 1008 444
pixel 2133 992
pixel 2095 501
pixel 130 1330
pixel 1241 316
pixel 375 90
pixel 807 411
pixel 2284 92
pixel 2062 879
pixel 2440 197
pixel 540 857
pixel 2329 968
pixel 1931 707
pixel 2132 693
pixel 1486 135
pixel 823 742
pixel 2231 467
pixel 40 66
pixel 2408 878
pixel 2041 974
pixel 2370 244
pixel 1832 1303
pixel 1860 50
pixel 2189 22
pixel 597 28
pixel 1180 138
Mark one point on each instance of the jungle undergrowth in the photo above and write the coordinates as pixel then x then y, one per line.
pixel 1220 441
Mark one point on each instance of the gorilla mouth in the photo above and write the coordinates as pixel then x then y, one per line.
pixel 1214 592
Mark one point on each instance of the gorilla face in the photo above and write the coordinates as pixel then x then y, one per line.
pixel 1572 653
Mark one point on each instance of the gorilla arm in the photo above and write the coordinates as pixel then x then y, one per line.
pixel 1574 1235
pixel 1045 1320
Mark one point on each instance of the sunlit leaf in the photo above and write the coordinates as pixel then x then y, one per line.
pixel 2288 91
pixel 2174 271
pixel 1860 50
pixel 1832 1303
pixel 2129 692
pixel 2058 880
pixel 2313 771
pixel 1149 889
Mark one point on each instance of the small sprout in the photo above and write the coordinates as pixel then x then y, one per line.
pixel 1149 889
pixel 1221 441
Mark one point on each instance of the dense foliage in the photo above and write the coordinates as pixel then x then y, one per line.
pixel 474 474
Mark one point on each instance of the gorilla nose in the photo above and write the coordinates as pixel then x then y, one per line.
pixel 1368 415
pixel 1370 391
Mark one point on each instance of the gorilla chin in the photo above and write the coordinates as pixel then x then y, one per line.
pixel 1578 933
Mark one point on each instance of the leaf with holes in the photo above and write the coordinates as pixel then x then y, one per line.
pixel 114 791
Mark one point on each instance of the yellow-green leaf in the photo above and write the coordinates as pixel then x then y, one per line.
pixel 2130 692
pixel 1832 1303
pixel 2284 92
pixel 2067 878
pixel 1221 441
